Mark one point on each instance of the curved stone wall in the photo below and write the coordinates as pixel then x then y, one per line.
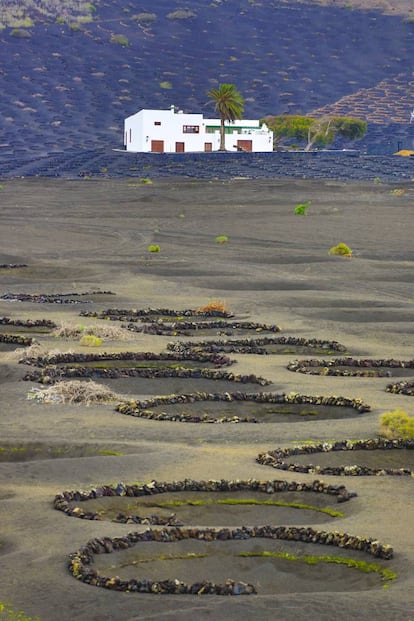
pixel 62 502
pixel 15 339
pixel 50 375
pixel 355 368
pixel 277 457
pixel 255 346
pixel 80 563
pixel 177 328
pixel 122 314
pixel 402 388
pixel 142 409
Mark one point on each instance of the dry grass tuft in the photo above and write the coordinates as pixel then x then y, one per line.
pixel 214 305
pixel 74 391
pixel 37 351
pixel 103 331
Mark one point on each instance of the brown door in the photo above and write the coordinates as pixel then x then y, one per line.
pixel 179 147
pixel 208 146
pixel 244 145
pixel 157 146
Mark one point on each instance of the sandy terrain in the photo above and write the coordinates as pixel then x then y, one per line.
pixel 83 235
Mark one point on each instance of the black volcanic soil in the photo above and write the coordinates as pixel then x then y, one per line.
pixel 85 235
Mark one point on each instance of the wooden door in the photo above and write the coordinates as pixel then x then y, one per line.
pixel 157 146
pixel 179 147
pixel 244 145
pixel 208 146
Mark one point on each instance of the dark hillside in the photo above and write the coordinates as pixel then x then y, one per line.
pixel 67 83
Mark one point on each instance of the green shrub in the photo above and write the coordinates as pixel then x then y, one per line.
pixel 166 85
pixel 397 424
pixel 154 248
pixel 84 19
pixel 181 14
pixel 145 180
pixel 145 19
pixel 300 209
pixel 20 33
pixel 341 249
pixel 119 39
pixel 90 340
pixel 22 22
pixel 222 239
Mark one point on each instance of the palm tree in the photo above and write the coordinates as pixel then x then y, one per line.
pixel 229 104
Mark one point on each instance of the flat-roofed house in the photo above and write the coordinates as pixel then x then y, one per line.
pixel 173 131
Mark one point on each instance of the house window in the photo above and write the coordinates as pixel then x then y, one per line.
pixel 157 122
pixel 191 129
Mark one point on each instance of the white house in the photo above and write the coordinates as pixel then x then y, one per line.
pixel 173 131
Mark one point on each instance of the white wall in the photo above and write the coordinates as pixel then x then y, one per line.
pixel 142 128
pixel 145 126
pixel 261 137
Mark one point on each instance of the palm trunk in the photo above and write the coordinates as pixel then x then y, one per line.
pixel 222 136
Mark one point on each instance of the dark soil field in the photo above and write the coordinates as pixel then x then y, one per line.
pixel 80 236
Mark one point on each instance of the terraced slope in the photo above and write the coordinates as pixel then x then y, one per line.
pixel 390 101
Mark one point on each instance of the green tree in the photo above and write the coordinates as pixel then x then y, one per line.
pixel 286 126
pixel 229 104
pixel 321 132
pixel 324 130
pixel 350 127
pixel 314 132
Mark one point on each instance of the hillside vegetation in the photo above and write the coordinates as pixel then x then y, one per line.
pixel 72 70
pixel 25 13
pixel 13 12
